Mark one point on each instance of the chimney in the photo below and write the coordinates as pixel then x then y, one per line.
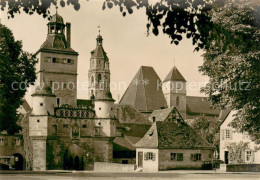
pixel 68 33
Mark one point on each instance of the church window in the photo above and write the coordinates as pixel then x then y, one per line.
pixel 54 60
pixel 87 114
pixel 1 141
pixel 99 78
pixel 177 101
pixel 111 109
pixel 92 82
pixel 71 113
pixel 69 61
pixel 84 126
pixel 65 125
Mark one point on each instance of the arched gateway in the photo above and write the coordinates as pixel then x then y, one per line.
pixel 73 158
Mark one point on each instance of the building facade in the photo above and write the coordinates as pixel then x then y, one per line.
pixel 230 138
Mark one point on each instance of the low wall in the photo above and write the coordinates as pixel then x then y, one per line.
pixel 104 166
pixel 243 168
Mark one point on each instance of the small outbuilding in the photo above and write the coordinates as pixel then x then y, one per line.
pixel 172 145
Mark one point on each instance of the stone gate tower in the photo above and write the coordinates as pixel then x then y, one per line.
pixel 57 66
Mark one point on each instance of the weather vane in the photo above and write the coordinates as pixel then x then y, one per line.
pixel 99 29
pixel 56 9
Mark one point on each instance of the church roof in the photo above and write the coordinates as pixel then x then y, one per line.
pixel 164 134
pixel 143 93
pixel 200 105
pixel 174 75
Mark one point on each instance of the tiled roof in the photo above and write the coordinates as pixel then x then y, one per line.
pixel 26 106
pixel 120 143
pixel 165 134
pixel 99 52
pixel 85 102
pixel 200 105
pixel 135 130
pixel 143 92
pixel 57 42
pixel 174 75
pixel 160 115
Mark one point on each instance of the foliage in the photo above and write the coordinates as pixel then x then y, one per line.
pixel 16 66
pixel 30 7
pixel 232 62
pixel 236 152
pixel 208 129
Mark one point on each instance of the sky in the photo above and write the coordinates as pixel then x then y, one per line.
pixel 125 42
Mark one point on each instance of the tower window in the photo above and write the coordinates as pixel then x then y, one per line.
pixel 69 61
pixel 92 80
pixel 154 118
pixel 1 141
pixel 38 120
pixel 84 126
pixel 58 102
pixel 41 104
pixel 54 60
pixel 99 78
pixel 99 108
pixel 177 101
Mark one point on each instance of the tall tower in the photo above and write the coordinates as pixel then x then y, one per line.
pixel 174 90
pixel 43 105
pixel 99 91
pixel 57 66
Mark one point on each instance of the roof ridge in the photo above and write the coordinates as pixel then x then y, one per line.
pixel 144 90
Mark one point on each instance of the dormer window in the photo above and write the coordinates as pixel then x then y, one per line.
pixel 154 118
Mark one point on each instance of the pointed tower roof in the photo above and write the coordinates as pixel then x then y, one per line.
pixel 99 52
pixel 56 41
pixel 174 75
pixel 144 93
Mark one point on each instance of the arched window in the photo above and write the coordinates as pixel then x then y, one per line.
pixel 177 101
pixel 99 78
pixel 92 80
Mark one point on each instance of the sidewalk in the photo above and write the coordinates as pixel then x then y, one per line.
pixel 120 172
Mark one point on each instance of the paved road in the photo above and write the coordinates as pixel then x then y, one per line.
pixel 130 176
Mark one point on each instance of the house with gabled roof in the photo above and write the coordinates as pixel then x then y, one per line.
pixel 172 145
pixel 229 137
